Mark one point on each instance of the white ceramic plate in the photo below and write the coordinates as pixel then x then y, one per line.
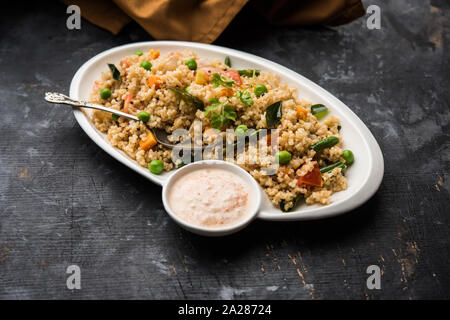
pixel 364 176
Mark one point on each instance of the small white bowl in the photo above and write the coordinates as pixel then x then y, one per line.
pixel 255 197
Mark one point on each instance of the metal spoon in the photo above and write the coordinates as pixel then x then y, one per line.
pixel 59 98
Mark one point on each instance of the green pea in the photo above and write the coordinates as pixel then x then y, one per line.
pixel 156 166
pixel 146 65
pixel 283 157
pixel 143 116
pixel 187 89
pixel 105 93
pixel 191 64
pixel 139 53
pixel 114 116
pixel 348 157
pixel 259 90
pixel 240 130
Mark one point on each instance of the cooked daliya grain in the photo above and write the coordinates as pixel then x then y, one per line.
pixel 142 90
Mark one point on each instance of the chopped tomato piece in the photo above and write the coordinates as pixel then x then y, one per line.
pixel 233 75
pixel 312 178
pixel 154 80
pixel 148 142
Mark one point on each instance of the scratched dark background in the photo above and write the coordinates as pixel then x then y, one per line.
pixel 64 201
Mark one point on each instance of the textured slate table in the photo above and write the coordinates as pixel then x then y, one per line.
pixel 64 201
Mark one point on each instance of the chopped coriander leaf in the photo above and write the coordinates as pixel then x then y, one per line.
pixel 229 113
pixel 210 109
pixel 245 98
pixel 218 80
pixel 214 100
pixel 220 113
pixel 217 120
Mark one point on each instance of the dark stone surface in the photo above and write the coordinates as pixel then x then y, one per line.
pixel 64 201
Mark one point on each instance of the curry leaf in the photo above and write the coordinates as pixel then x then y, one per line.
pixel 115 72
pixel 319 111
pixel 273 114
pixel 227 61
pixel 282 204
pixel 188 98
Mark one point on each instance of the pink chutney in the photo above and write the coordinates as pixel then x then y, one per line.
pixel 210 198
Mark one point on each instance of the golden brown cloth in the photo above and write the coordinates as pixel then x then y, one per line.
pixel 204 20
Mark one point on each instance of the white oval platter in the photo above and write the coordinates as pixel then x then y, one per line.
pixel 364 176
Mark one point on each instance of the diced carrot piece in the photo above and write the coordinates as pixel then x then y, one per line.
pixel 148 142
pixel 126 105
pixel 225 92
pixel 301 113
pixel 233 75
pixel 154 80
pixel 124 63
pixel 312 178
pixel 154 54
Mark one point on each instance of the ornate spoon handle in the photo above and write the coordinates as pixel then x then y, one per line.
pixel 60 98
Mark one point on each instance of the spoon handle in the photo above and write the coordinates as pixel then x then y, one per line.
pixel 60 98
